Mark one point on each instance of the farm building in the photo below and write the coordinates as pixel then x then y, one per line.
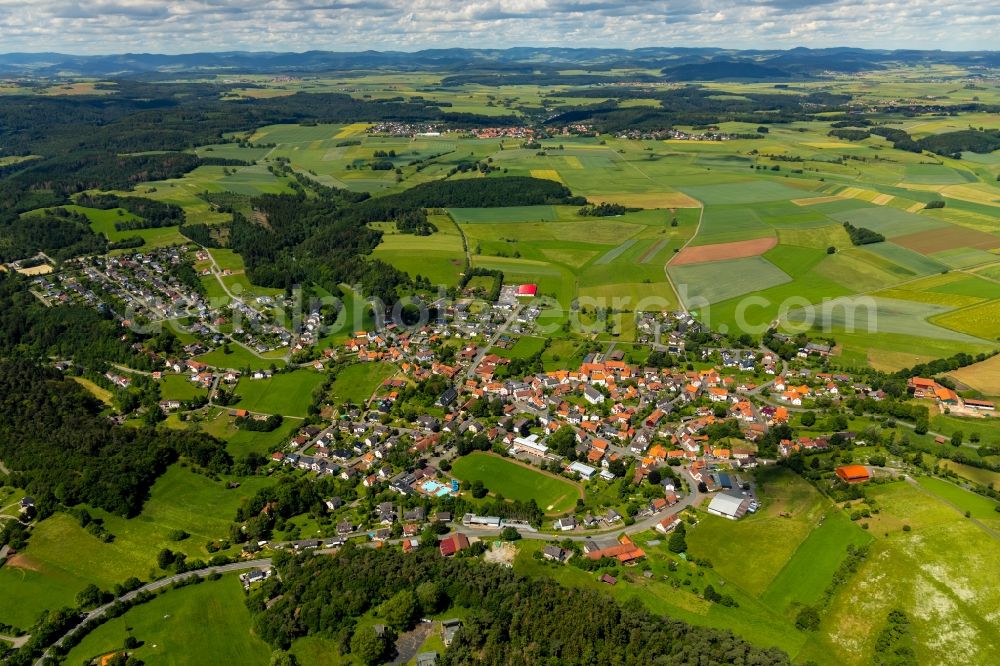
pixel 529 290
pixel 853 473
pixel 980 404
pixel 729 506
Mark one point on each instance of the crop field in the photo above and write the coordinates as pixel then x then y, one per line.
pixel 981 320
pixel 204 623
pixel 288 394
pixel 439 257
pixel 888 221
pixel 723 251
pixel 983 377
pixel 931 241
pixel 750 191
pixel 713 282
pixel 516 481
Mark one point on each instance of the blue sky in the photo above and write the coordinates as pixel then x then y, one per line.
pixel 184 26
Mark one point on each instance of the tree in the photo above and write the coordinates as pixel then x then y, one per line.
pixel 430 596
pixel 89 597
pixel 479 491
pixel 677 542
pixel 509 534
pixel 921 426
pixel 654 476
pixel 401 610
pixel 956 438
pixel 831 250
pixel 617 467
pixel 808 419
pixel 807 619
pixel 165 558
pixel 281 658
pixel 367 646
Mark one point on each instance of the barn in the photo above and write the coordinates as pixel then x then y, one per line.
pixel 853 473
pixel 529 290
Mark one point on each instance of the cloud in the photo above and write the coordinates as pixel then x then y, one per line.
pixel 181 26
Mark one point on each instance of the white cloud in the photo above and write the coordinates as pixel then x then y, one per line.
pixel 183 26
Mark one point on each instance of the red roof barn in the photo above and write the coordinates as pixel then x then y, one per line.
pixel 453 543
pixel 527 290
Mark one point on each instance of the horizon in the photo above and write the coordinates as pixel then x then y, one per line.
pixel 344 25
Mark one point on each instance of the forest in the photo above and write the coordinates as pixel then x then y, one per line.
pixel 65 453
pixel 511 619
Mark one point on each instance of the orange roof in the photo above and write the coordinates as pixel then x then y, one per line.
pixel 853 473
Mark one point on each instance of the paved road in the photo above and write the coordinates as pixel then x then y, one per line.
pixel 471 372
pixel 155 585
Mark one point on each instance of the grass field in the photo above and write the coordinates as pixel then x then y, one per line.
pixel 240 358
pixel 241 442
pixel 982 320
pixel 712 282
pixel 357 382
pixel 518 482
pixel 934 573
pixel 439 257
pixel 102 394
pixel 207 623
pixel 179 387
pixel 288 394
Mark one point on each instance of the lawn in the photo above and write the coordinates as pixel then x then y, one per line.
pixel 239 358
pixel 288 394
pixel 516 481
pixel 721 280
pixel 179 387
pixel 207 623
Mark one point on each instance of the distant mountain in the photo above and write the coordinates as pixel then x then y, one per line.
pixel 677 63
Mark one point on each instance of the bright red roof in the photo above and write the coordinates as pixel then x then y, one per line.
pixel 527 290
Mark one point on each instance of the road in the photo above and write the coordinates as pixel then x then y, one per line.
pixel 670 281
pixel 492 341
pixel 156 585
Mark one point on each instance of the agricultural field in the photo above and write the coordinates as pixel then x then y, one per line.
pixel 240 442
pixel 554 495
pixel 203 623
pixel 439 257
pixel 983 377
pixel 288 394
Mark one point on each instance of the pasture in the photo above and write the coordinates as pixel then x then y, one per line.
pixel 714 282
pixel 356 383
pixel 517 481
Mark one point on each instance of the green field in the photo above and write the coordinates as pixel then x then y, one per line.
pixel 62 558
pixel 439 257
pixel 207 623
pixel 356 383
pixel 239 358
pixel 712 282
pixel 517 482
pixel 179 387
pixel 288 394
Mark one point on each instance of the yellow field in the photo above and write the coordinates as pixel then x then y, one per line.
pixel 812 201
pixel 351 130
pixel 981 320
pixel 649 199
pixel 573 162
pixel 917 207
pixel 547 174
pixel 882 199
pixel 101 394
pixel 983 377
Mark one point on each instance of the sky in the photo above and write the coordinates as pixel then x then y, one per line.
pixel 186 26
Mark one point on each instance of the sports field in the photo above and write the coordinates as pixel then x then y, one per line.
pixel 517 481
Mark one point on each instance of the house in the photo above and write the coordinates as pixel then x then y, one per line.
pixel 554 553
pixel 853 473
pixel 345 527
pixel 625 552
pixel 565 524
pixel 610 580
pixel 592 395
pixel 585 472
pixel 668 525
pixel 448 630
pixel 414 515
pixel 452 544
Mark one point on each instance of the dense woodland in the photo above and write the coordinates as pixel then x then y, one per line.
pixel 513 620
pixel 65 453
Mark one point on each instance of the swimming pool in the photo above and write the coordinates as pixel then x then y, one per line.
pixel 435 488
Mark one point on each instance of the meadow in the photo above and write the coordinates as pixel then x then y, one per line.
pixel 203 623
pixel 288 394
pixel 358 382
pixel 515 481
pixel 62 557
